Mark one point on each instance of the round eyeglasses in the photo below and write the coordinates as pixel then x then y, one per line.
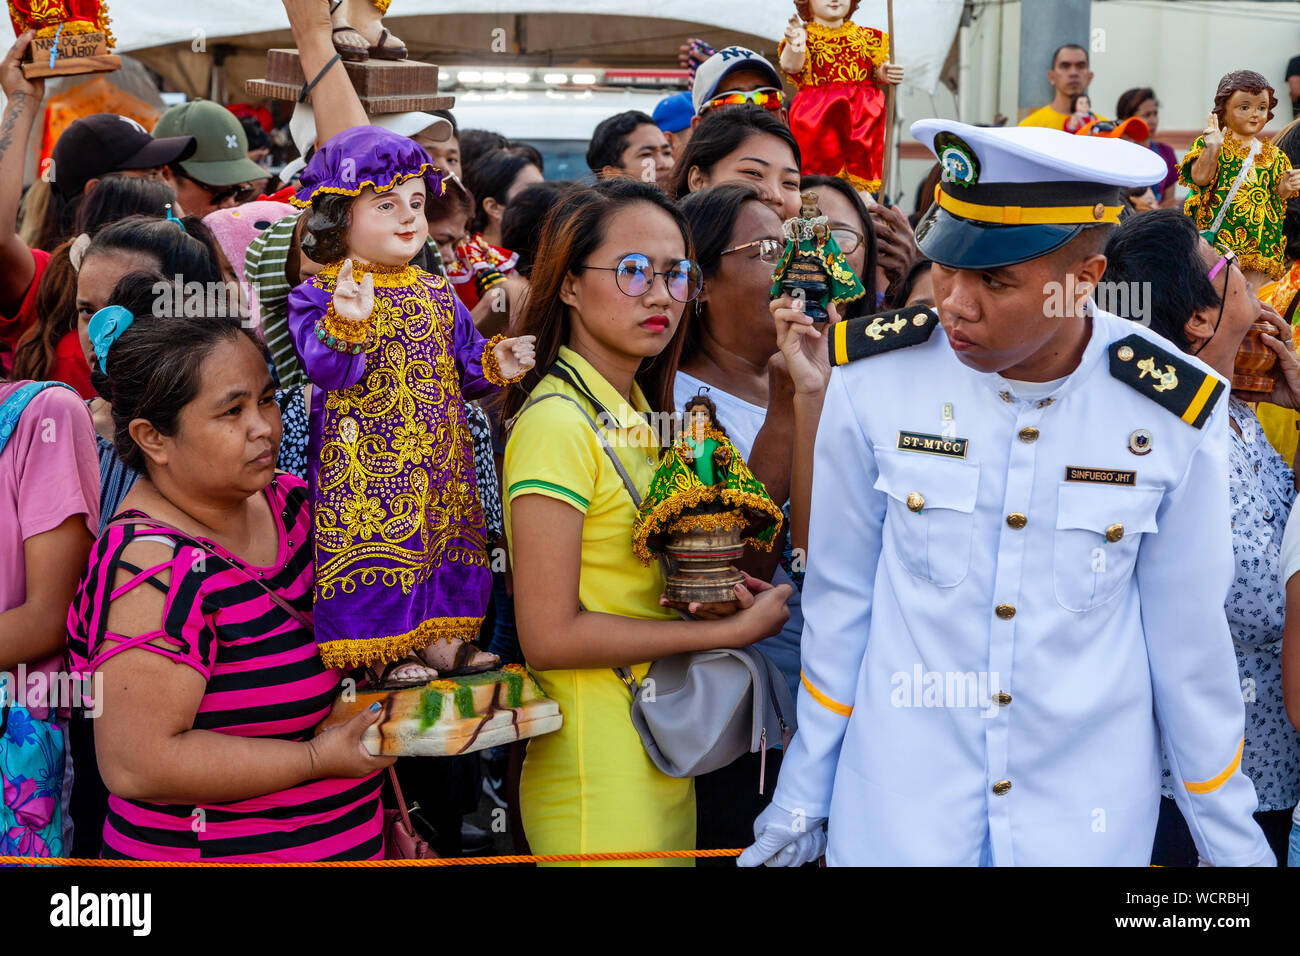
pixel 635 275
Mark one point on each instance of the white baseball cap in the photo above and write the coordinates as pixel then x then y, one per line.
pixel 302 130
pixel 711 73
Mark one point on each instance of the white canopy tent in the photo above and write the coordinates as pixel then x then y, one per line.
pixel 200 47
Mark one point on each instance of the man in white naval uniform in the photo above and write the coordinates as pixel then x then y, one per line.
pixel 1019 550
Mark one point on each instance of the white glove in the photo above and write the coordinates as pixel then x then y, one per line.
pixel 783 838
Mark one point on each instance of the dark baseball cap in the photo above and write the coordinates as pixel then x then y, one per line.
pixel 104 143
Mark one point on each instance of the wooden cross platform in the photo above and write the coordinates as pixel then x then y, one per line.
pixel 451 716
pixel 384 86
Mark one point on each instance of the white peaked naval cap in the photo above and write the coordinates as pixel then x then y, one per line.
pixel 1008 195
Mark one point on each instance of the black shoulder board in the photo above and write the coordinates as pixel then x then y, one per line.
pixel 882 332
pixel 1166 378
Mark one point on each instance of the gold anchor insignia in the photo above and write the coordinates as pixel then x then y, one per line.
pixel 1168 378
pixel 878 327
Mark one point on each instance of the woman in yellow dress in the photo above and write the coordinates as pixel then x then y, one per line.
pixel 609 296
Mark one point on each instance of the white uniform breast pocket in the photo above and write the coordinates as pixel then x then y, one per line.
pixel 931 513
pixel 1099 529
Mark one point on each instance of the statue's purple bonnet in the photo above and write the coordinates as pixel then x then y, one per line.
pixel 365 156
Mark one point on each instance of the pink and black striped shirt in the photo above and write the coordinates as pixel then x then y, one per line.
pixel 264 679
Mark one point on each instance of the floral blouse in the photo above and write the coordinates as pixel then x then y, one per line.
pixel 1262 492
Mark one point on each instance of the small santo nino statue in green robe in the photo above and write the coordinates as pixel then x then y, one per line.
pixel 703 484
pixel 812 267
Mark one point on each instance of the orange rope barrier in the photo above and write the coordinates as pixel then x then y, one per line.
pixel 442 861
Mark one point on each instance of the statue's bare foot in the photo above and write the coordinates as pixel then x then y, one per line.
pixel 348 41
pixel 410 672
pixel 381 44
pixel 456 658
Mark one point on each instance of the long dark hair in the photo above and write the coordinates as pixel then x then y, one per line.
pixel 866 304
pixel 155 367
pixel 711 214
pixel 114 200
pixel 573 230
pixel 719 134
pixel 491 176
pixel 1160 250
pixel 521 226
pixel 116 197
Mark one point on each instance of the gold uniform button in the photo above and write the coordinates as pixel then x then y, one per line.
pixel 1017 520
pixel 1028 435
pixel 1002 787
pixel 1098 211
pixel 1124 353
pixel 1002 698
pixel 1005 611
pixel 915 501
pixel 1114 533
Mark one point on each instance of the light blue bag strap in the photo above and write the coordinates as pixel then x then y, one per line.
pixel 11 409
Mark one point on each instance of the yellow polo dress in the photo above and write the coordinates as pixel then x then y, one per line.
pixel 589 787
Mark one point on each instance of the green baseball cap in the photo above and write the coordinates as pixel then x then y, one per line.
pixel 221 156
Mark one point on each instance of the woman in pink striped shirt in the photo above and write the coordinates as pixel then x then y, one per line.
pixel 195 609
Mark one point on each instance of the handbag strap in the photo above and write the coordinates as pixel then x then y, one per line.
pixel 153 524
pixel 401 802
pixel 624 673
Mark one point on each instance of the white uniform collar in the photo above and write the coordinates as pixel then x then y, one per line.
pixel 1103 332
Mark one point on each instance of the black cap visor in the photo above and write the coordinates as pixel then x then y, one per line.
pixel 160 152
pixel 965 244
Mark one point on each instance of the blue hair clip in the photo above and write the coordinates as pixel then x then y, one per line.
pixel 171 217
pixel 106 327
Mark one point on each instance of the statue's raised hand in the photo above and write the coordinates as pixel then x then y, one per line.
pixel 353 300
pixel 1212 136
pixel 796 34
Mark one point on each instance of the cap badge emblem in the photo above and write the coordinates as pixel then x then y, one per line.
pixel 232 142
pixel 957 159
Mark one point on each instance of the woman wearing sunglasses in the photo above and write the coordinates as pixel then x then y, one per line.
pixel 1197 297
pixel 742 144
pixel 610 292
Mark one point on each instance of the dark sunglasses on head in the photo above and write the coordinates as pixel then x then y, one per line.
pixel 635 274
pixel 768 99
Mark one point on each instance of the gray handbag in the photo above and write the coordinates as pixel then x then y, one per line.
pixel 701 710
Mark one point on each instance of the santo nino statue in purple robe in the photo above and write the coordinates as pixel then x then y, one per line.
pixel 402 578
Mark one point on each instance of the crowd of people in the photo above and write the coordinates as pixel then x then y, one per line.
pixel 160 456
